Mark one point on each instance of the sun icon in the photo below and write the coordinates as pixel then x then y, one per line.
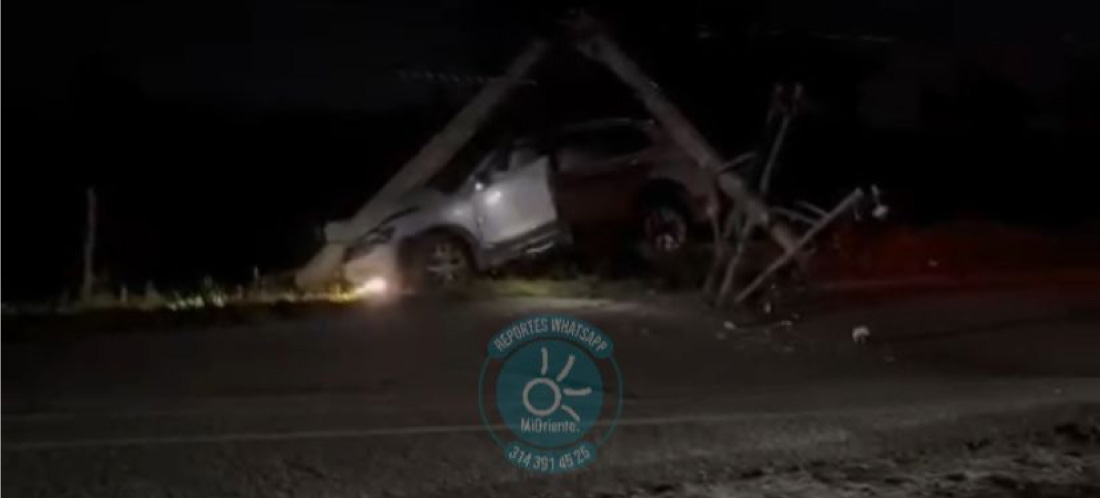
pixel 554 384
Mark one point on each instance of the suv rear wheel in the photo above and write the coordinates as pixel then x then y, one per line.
pixel 665 228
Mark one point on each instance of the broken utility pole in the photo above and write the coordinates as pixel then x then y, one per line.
pixel 841 208
pixel 736 227
pixel 591 40
pixel 432 157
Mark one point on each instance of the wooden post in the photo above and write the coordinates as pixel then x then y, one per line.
pixel 723 232
pixel 734 262
pixel 87 282
pixel 781 136
pixel 722 248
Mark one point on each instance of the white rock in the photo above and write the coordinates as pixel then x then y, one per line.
pixel 860 334
pixel 730 325
pixel 880 212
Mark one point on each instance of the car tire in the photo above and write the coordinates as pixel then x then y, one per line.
pixel 439 261
pixel 665 228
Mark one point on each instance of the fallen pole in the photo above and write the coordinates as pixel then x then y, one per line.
pixel 842 207
pixel 87 281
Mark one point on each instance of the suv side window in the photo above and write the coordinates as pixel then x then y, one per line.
pixel 470 159
pixel 522 155
pixel 495 163
pixel 581 147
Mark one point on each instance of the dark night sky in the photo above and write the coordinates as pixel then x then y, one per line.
pixel 221 134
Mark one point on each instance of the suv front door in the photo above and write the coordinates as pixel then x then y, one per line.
pixel 512 200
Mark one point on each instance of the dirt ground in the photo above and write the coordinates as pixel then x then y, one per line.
pixel 951 394
pixel 1054 467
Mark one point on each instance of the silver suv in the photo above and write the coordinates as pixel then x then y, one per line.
pixel 529 195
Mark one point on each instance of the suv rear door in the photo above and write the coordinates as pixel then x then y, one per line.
pixel 600 170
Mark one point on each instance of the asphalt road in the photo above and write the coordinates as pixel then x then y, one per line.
pixel 377 401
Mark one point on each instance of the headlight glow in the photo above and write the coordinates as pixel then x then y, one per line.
pixel 374 286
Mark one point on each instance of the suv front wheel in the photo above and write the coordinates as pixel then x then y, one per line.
pixel 439 260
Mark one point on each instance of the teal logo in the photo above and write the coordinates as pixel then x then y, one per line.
pixel 550 392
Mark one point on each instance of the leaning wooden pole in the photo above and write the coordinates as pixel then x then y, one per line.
pixel 430 159
pixel 591 40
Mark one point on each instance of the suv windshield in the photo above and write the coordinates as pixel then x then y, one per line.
pixel 452 177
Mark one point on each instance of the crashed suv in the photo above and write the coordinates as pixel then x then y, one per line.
pixel 529 195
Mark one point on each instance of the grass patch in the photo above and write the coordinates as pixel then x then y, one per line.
pixel 208 296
